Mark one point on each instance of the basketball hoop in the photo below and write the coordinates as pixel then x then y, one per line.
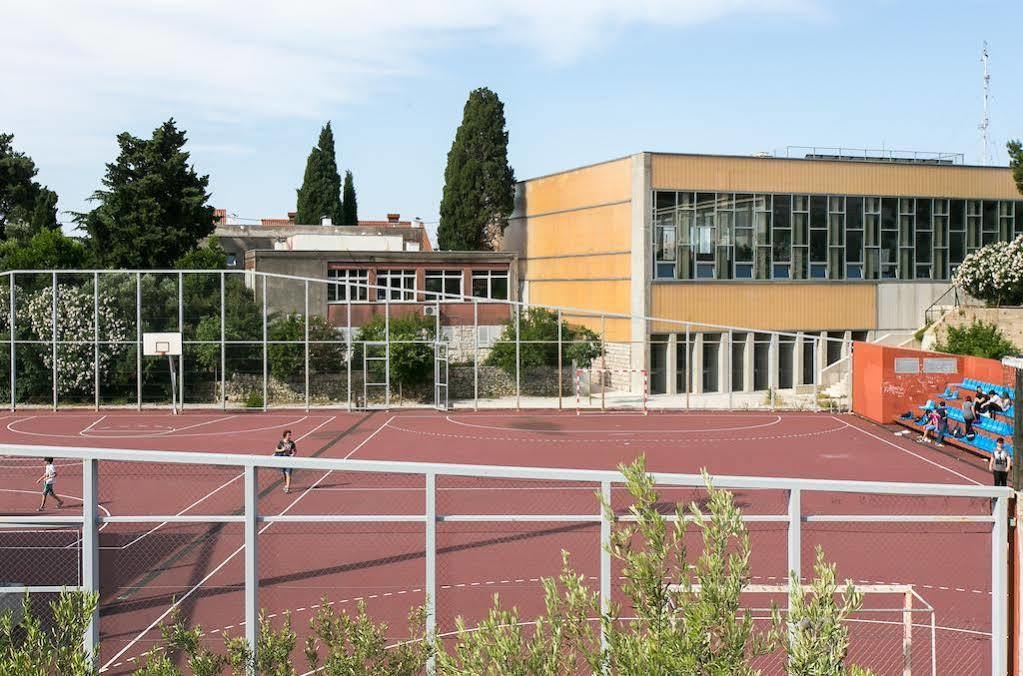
pixel 166 344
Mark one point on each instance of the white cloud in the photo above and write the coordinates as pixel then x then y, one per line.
pixel 69 60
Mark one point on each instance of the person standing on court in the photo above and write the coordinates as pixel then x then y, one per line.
pixel 942 423
pixel 47 479
pixel 286 448
pixel 1000 463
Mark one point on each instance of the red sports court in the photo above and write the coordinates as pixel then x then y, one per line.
pixel 149 566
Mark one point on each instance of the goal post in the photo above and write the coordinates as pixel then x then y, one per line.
pixel 604 374
pixel 165 344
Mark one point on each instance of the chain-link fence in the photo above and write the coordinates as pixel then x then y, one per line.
pixel 261 340
pixel 216 537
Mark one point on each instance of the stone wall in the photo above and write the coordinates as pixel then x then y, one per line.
pixel 1008 319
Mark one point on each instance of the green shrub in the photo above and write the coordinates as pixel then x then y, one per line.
pixel 412 352
pixel 538 339
pixel 979 339
pixel 254 400
pixel 26 647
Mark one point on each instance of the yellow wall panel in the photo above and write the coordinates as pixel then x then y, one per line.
pixel 598 230
pixel 589 267
pixel 755 174
pixel 767 306
pixel 598 184
pixel 590 295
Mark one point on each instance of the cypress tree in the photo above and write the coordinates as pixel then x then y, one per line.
pixel 320 194
pixel 349 204
pixel 479 184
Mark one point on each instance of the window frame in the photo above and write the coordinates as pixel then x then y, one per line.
pixel 334 289
pixel 489 274
pixel 397 293
pixel 444 275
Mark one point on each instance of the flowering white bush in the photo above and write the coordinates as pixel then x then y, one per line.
pixel 75 335
pixel 994 273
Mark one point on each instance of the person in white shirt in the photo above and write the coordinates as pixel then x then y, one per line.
pixel 996 404
pixel 47 479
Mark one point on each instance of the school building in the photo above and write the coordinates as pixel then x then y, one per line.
pixel 836 243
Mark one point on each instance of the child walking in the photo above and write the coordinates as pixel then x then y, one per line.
pixel 47 479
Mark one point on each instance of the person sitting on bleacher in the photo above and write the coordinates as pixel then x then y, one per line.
pixel 995 403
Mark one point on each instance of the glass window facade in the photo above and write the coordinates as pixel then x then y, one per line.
pixel 714 236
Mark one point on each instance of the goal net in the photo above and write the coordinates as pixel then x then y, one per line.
pixel 611 388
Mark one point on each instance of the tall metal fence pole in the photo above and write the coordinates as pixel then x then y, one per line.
pixel 90 546
pixel 728 374
pixel 265 389
pixel 795 544
pixel 603 359
pixel 387 350
pixel 518 355
pixel 53 335
pixel 14 363
pixel 251 557
pixel 138 340
pixel 223 344
pixel 348 339
pixel 430 584
pixel 561 368
pixel 306 345
pixel 476 356
pixel 1000 587
pixel 605 555
pixel 181 357
pixel 95 338
pixel 689 359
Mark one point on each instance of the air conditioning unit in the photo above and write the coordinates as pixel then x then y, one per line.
pixel 430 310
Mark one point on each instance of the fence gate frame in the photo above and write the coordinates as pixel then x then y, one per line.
pixel 440 368
pixel 367 358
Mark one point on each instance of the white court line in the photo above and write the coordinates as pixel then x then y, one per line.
pixel 230 557
pixel 906 450
pixel 91 425
pixel 151 435
pixel 777 419
pixel 210 494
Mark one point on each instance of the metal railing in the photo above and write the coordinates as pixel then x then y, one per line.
pixel 796 516
pixel 872 154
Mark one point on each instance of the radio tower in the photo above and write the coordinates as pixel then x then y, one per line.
pixel 984 121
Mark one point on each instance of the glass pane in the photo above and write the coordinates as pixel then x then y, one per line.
pixel 853 246
pixel 818 246
pixel 818 211
pixel 782 244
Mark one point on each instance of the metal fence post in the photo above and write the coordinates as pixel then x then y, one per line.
pixel 53 335
pixel 90 547
pixel 476 356
pixel 348 339
pixel 605 555
pixel 223 344
pixel 795 545
pixel 306 345
pixel 689 359
pixel 430 585
pixel 387 350
pixel 603 359
pixel 518 360
pixel 728 375
pixel 251 558
pixel 561 368
pixel 1000 586
pixel 138 340
pixel 181 357
pixel 14 363
pixel 95 337
pixel 265 393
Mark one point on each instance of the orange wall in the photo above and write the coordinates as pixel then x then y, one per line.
pixel 881 395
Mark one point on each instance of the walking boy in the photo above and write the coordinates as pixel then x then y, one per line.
pixel 47 479
pixel 286 448
pixel 1000 463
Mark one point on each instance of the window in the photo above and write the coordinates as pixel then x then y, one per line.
pixel 342 293
pixel 400 284
pixel 232 260
pixel 490 284
pixel 447 282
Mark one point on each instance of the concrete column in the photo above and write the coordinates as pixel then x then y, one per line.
pixel 724 373
pixel 772 363
pixel 797 360
pixel 671 365
pixel 822 353
pixel 846 344
pixel 747 363
pixel 696 370
pixel 641 218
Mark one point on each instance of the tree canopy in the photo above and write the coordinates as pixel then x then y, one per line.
pixel 320 194
pixel 1015 149
pixel 349 203
pixel 479 184
pixel 152 208
pixel 22 198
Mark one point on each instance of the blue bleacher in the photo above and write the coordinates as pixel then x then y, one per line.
pixel 986 429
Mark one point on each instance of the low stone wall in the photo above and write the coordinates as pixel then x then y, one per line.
pixel 1008 319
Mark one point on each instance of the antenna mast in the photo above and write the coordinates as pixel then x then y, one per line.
pixel 984 121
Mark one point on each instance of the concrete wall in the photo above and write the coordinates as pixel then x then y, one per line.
pixel 901 305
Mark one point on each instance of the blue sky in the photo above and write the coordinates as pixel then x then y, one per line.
pixel 582 81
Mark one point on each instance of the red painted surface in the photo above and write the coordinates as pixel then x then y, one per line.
pixel 882 395
pixel 145 567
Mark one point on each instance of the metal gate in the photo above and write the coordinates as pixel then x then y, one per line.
pixel 440 376
pixel 376 375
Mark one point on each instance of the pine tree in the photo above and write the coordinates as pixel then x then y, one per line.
pixel 153 206
pixel 1015 149
pixel 479 184
pixel 320 194
pixel 349 203
pixel 22 199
